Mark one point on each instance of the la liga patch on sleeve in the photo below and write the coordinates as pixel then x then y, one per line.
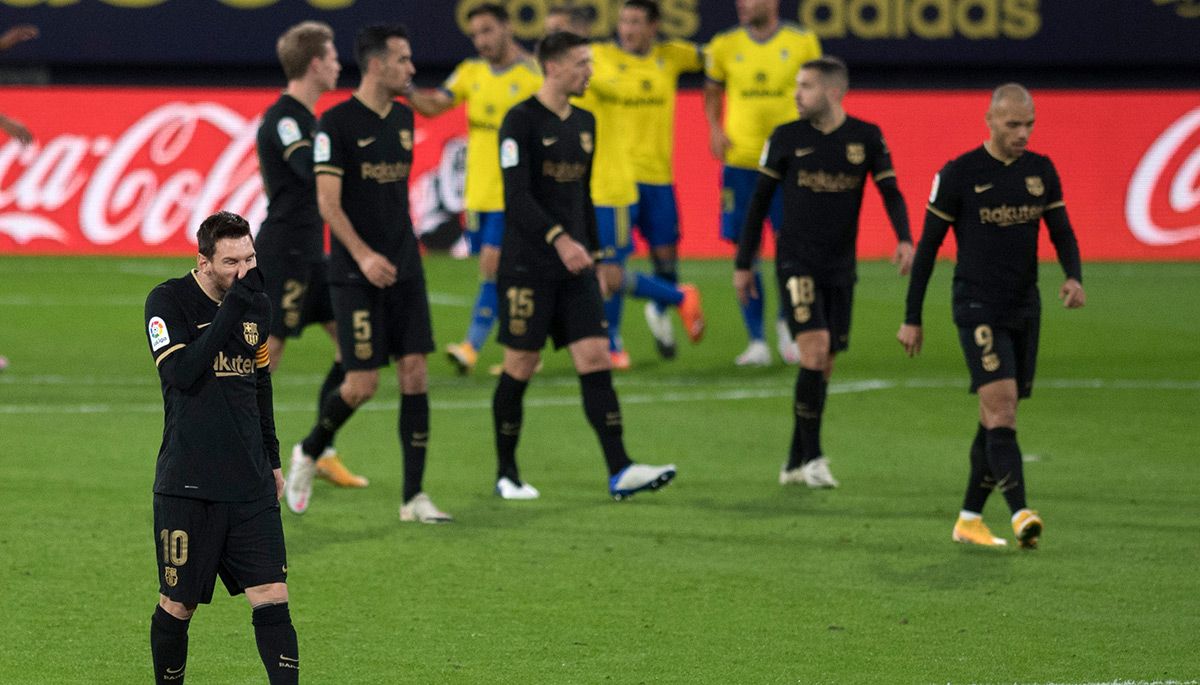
pixel 509 157
pixel 159 338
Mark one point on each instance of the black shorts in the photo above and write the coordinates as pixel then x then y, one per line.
pixel 377 324
pixel 299 293
pixel 566 311
pixel 196 540
pixel 817 307
pixel 997 352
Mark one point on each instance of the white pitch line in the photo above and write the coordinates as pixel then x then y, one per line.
pixel 674 396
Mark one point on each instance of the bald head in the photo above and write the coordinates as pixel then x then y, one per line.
pixel 1011 94
pixel 1010 120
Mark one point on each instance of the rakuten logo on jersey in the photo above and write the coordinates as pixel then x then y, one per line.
pixel 1162 205
pixel 159 179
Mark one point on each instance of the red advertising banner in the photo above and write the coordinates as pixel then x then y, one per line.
pixel 134 171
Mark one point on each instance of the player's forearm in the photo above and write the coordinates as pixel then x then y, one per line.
pixel 713 101
pixel 266 416
pixel 535 222
pixel 1065 244
pixel 932 235
pixel 897 209
pixel 756 213
pixel 184 367
pixel 429 103
pixel 341 228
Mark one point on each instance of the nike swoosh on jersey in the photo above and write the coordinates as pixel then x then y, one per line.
pixel 985 186
pixel 547 142
pixel 800 152
pixel 363 142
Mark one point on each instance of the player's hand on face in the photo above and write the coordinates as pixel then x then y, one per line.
pixel 1072 295
pixel 743 285
pixel 379 270
pixel 903 257
pixel 910 337
pixel 718 143
pixel 278 483
pixel 573 255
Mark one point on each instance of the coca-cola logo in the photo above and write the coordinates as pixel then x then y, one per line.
pixel 156 179
pixel 1162 204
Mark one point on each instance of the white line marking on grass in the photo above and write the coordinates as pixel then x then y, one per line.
pixel 572 400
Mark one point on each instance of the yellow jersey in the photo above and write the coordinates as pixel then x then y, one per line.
pixel 489 95
pixel 613 182
pixel 645 103
pixel 760 84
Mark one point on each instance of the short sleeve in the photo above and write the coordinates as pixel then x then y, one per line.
pixel 944 198
pixel 684 56
pixel 167 329
pixel 714 68
pixel 329 155
pixel 455 84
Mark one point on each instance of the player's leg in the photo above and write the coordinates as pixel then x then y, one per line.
pixel 410 333
pixel 187 569
pixel 737 187
pixel 577 326
pixel 816 317
pixel 362 343
pixel 524 324
pixel 613 231
pixel 254 561
pixel 318 309
pixel 970 528
pixel 485 240
pixel 658 222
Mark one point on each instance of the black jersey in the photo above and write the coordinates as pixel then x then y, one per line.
pixel 293 227
pixel 823 176
pixel 217 445
pixel 547 166
pixel 373 154
pixel 996 209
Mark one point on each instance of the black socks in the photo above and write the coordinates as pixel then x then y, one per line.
pixel 414 438
pixel 604 413
pixel 168 646
pixel 277 646
pixel 507 414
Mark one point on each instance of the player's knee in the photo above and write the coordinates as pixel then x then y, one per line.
pixel 359 387
pixel 414 374
pixel 591 355
pixel 268 594
pixel 998 405
pixel 179 610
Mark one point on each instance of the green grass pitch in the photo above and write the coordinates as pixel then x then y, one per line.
pixel 724 577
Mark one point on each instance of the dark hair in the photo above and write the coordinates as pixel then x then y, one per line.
pixel 491 8
pixel 301 43
pixel 218 227
pixel 650 7
pixel 557 44
pixel 579 17
pixel 372 40
pixel 831 68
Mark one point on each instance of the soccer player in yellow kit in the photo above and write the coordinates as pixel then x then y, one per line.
pixel 754 67
pixel 625 111
pixel 490 84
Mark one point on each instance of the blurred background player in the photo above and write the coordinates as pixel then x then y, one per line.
pixel 12 37
pixel 217 480
pixel 291 240
pixel 577 20
pixel 653 67
pixel 363 155
pixel 502 75
pixel 750 74
pixel 820 163
pixel 546 268
pixel 996 197
pixel 615 194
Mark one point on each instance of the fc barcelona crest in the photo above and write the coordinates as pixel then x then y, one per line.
pixel 585 141
pixel 406 139
pixel 250 333
pixel 170 576
pixel 856 153
pixel 1035 186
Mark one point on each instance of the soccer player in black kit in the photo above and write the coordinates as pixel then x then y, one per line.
pixel 290 242
pixel 822 160
pixel 547 277
pixel 362 157
pixel 995 197
pixel 217 482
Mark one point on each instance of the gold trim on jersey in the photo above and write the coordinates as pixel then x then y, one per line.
pixel 770 172
pixel 173 348
pixel 890 173
pixel 1055 205
pixel 287 152
pixel 938 213
pixel 328 169
pixel 263 357
pixel 553 233
pixel 201 286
